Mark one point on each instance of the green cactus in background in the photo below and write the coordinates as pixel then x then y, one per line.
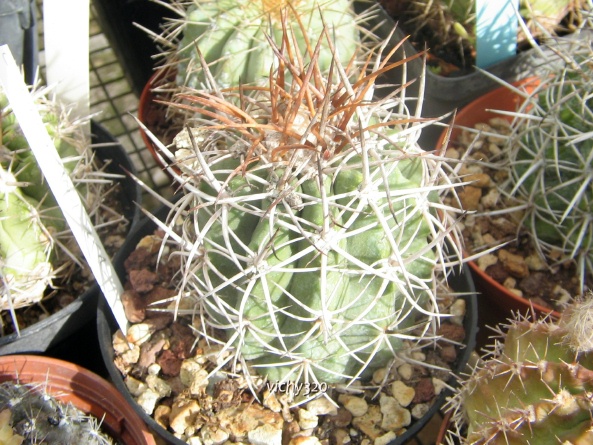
pixel 38 418
pixel 312 224
pixel 536 386
pixel 550 158
pixel 231 36
pixel 36 245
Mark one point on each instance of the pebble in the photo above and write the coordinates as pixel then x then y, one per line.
pixel 403 393
pixel 486 261
pixel 135 386
pixel 470 197
pixel 385 439
pixel 340 436
pixel 514 264
pixel 322 406
pixel 370 423
pixel 213 436
pixel 419 410
pixel 438 385
pixel 183 414
pixel 307 419
pixel 356 405
pixel 265 435
pixel 139 333
pixel 394 416
pixel 405 371
pixel 457 311
pixel 304 440
pixel 148 400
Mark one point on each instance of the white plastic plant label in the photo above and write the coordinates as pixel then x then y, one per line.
pixel 60 183
pixel 496 31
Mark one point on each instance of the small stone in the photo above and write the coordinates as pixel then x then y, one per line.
pixel 419 410
pixel 470 197
pixel 193 376
pixel 486 261
pixel 370 423
pixel 494 149
pixel 457 310
pixel 195 440
pixel 161 415
pixel 304 440
pixel 424 391
pixel 322 406
pixel 438 385
pixel 403 393
pixel 138 333
pixel 148 400
pixel 271 402
pixel 379 375
pixel 265 435
pixel 307 419
pixel 184 413
pixel 517 292
pixel 356 405
pixel 490 199
pixel 534 262
pixel 448 353
pixel 213 436
pixel 385 439
pixel 481 180
pixel 341 419
pixel 159 385
pixel 451 332
pixel 405 371
pixel 514 264
pixel 135 386
pixel 510 283
pixel 452 153
pixel 340 436
pixel 395 417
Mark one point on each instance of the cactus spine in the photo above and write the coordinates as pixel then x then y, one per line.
pixel 231 36
pixel 536 386
pixel 33 417
pixel 550 154
pixel 313 226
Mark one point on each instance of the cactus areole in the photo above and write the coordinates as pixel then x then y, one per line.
pixel 231 35
pixel 311 224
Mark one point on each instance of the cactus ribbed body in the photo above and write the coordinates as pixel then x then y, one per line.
pixel 535 389
pixel 313 226
pixel 232 37
pixel 551 158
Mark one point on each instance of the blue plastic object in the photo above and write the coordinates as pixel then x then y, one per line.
pixel 496 31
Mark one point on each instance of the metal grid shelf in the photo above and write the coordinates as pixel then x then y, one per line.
pixel 114 105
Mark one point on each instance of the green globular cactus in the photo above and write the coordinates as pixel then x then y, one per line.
pixel 536 386
pixel 231 35
pixel 312 226
pixel 37 249
pixel 38 418
pixel 550 154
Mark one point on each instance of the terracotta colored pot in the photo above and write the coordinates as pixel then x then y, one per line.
pixel 154 115
pixel 87 391
pixel 502 300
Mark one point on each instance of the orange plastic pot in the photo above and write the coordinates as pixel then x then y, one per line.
pixel 82 388
pixel 481 110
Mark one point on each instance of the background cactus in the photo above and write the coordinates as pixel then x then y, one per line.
pixel 549 160
pixel 35 417
pixel 231 35
pixel 37 249
pixel 312 228
pixel 536 386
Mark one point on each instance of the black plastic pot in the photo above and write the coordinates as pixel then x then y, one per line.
pixel 445 94
pixel 106 327
pixel 18 30
pixel 48 333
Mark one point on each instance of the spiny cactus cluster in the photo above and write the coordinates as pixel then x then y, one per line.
pixel 36 246
pixel 550 154
pixel 312 227
pixel 535 387
pixel 231 37
pixel 31 416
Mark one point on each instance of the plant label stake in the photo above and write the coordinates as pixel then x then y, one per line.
pixel 497 24
pixel 60 184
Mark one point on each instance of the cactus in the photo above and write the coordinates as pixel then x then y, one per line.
pixel 536 386
pixel 549 160
pixel 37 249
pixel 313 228
pixel 231 35
pixel 38 418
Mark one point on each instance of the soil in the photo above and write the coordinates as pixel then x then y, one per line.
pixel 175 375
pixel 517 265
